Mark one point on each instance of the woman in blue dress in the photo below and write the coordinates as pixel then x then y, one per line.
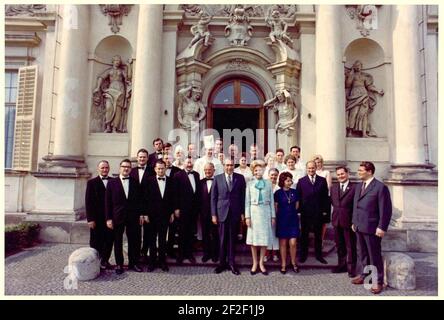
pixel 286 202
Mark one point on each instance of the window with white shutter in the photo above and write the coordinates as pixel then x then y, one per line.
pixel 24 119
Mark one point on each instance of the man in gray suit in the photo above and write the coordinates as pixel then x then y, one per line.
pixel 227 209
pixel 372 211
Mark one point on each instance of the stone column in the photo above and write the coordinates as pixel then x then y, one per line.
pixel 413 184
pixel 330 100
pixel 407 88
pixel 61 178
pixel 147 79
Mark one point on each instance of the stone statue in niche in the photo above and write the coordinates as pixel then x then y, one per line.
pixel 200 30
pixel 191 110
pixel 239 29
pixel 283 104
pixel 278 28
pixel 112 95
pixel 360 101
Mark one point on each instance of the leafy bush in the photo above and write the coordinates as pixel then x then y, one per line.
pixel 19 236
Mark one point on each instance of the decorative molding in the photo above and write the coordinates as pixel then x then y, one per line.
pixel 115 12
pixel 238 64
pixel 22 40
pixel 251 10
pixel 366 17
pixel 24 9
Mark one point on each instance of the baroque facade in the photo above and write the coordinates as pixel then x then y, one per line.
pixel 91 82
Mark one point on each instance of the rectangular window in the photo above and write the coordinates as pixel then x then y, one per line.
pixel 10 102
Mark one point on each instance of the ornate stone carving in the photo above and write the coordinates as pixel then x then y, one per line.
pixel 366 17
pixel 24 9
pixel 191 110
pixel 111 98
pixel 283 104
pixel 200 30
pixel 239 30
pixel 287 11
pixel 278 28
pixel 360 101
pixel 238 64
pixel 115 12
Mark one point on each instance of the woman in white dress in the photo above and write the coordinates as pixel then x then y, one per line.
pixel 320 171
pixel 273 175
pixel 260 216
pixel 178 157
pixel 290 162
pixel 243 168
pixel 270 162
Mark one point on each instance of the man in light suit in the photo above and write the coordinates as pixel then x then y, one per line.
pixel 372 212
pixel 227 209
pixel 342 196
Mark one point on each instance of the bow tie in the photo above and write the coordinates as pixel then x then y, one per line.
pixel 210 179
pixel 190 172
pixel 125 178
pixel 143 168
pixel 161 179
pixel 105 178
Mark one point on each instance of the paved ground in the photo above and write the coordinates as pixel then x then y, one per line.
pixel 39 271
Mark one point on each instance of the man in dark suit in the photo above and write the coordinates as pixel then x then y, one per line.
pixel 173 227
pixel 227 209
pixel 156 155
pixel 210 234
pixel 141 174
pixel 160 199
pixel 342 195
pixel 101 238
pixel 187 207
pixel 124 211
pixel 372 212
pixel 313 205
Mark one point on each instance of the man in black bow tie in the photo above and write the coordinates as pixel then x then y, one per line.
pixel 101 238
pixel 159 197
pixel 124 212
pixel 210 233
pixel 187 207
pixel 156 155
pixel 342 195
pixel 141 174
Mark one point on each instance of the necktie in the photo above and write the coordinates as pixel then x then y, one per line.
pixel 312 180
pixel 161 179
pixel 363 188
pixel 342 187
pixel 230 183
pixel 125 178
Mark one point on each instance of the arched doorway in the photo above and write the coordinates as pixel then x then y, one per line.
pixel 238 104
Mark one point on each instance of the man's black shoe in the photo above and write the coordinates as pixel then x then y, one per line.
pixel 219 269
pixel 234 270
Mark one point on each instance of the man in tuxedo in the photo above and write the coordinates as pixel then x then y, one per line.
pixel 227 209
pixel 372 212
pixel 170 170
pixel 160 199
pixel 156 155
pixel 313 205
pixel 342 195
pixel 101 238
pixel 124 211
pixel 173 228
pixel 187 208
pixel 210 234
pixel 141 174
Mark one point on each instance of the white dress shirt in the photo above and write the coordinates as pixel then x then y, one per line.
pixel 104 181
pixel 209 184
pixel 141 172
pixel 192 181
pixel 125 184
pixel 343 186
pixel 162 184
